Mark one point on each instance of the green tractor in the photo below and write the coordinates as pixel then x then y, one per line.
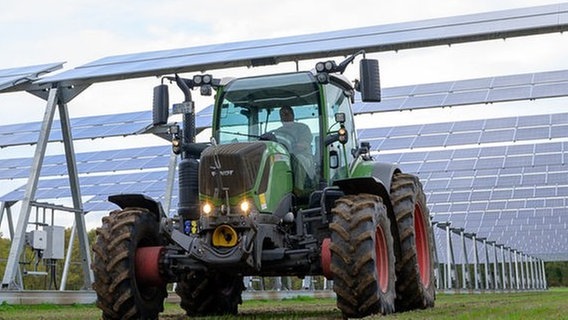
pixel 282 189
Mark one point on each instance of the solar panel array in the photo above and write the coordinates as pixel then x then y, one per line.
pixel 89 162
pixel 151 183
pixel 83 128
pixel 465 92
pixel 452 134
pixel 509 188
pixel 475 27
pixel 509 192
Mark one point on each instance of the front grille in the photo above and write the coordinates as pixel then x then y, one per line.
pixel 240 163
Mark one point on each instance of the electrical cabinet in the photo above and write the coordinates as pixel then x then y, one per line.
pixel 55 244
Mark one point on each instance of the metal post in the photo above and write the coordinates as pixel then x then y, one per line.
pixel 522 264
pixel 487 283
pixel 511 285
pixel 2 208
pixel 504 283
pixel 465 264
pixel 533 274
pixel 496 276
pixel 449 259
pixel 538 273
pixel 475 263
pixel 68 259
pixel 88 276
pixel 517 278
pixel 544 282
pixel 18 240
pixel 8 209
pixel 436 259
pixel 528 272
pixel 10 220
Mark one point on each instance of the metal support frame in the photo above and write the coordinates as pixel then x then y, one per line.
pixel 504 283
pixel 527 272
pixel 436 258
pixel 466 279
pixel 487 281
pixel 537 273
pixel 533 276
pixel 54 101
pixel 18 239
pixel 475 263
pixel 76 195
pixel 517 274
pixel 450 262
pixel 68 259
pixel 522 267
pixel 510 262
pixel 6 207
pixel 544 282
pixel 496 276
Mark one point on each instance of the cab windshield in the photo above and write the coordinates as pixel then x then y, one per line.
pixel 250 107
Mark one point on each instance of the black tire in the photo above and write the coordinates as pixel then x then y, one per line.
pixel 415 262
pixel 211 294
pixel 362 256
pixel 119 295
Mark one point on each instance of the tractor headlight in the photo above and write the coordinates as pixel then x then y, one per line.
pixel 207 208
pixel 245 206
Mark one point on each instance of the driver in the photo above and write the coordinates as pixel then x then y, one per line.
pixel 301 150
pixel 300 132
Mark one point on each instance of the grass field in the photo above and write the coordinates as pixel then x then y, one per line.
pixel 552 304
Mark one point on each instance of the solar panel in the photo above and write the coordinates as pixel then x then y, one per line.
pixel 532 133
pixel 82 128
pixel 91 162
pixel 14 78
pixel 397 36
pixel 430 141
pixel 473 91
pixel 463 138
pixel 559 131
pixel 105 185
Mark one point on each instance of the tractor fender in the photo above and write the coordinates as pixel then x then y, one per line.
pixel 369 177
pixel 138 201
pixel 375 178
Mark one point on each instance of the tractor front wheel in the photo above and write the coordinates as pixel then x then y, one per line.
pixel 124 235
pixel 362 256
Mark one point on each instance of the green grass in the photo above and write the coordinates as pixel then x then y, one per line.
pixel 552 304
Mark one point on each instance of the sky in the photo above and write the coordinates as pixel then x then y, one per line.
pixel 79 31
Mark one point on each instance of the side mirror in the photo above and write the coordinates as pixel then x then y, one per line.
pixel 370 84
pixel 160 105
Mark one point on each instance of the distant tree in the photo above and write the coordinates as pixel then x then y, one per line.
pixel 557 273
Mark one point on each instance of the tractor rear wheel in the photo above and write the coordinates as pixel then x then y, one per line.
pixel 415 262
pixel 208 294
pixel 119 294
pixel 362 256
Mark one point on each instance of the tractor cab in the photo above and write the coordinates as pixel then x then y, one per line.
pixel 298 111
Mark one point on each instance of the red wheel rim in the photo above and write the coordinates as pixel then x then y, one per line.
pixel 422 246
pixel 382 261
pixel 147 264
pixel 326 258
